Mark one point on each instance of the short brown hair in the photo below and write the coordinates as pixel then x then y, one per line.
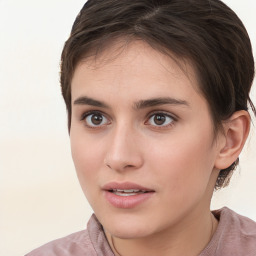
pixel 206 32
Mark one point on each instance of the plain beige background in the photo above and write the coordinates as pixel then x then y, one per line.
pixel 40 196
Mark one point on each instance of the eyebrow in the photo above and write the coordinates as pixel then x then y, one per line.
pixel 84 100
pixel 90 101
pixel 159 101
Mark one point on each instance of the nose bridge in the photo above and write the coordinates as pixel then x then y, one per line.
pixel 124 151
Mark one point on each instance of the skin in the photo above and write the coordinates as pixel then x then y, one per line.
pixel 178 159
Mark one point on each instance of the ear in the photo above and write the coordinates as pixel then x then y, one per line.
pixel 236 130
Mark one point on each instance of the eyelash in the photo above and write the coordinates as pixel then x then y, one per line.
pixel 162 113
pixel 151 115
pixel 87 114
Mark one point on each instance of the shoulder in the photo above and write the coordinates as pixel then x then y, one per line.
pixel 234 222
pixel 91 242
pixel 235 235
pixel 242 233
pixel 75 244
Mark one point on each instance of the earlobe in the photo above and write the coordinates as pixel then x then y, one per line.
pixel 236 130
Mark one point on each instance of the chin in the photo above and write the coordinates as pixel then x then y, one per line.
pixel 128 228
pixel 129 233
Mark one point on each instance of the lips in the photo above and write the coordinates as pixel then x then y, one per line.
pixel 125 186
pixel 126 195
pixel 127 192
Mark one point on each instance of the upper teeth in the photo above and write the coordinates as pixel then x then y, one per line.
pixel 128 190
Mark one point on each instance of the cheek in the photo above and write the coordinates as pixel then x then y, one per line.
pixel 87 160
pixel 183 163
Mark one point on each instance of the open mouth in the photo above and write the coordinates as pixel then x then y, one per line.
pixel 126 195
pixel 128 192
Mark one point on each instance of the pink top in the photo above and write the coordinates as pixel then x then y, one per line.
pixel 235 236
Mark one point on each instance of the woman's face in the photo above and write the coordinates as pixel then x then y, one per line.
pixel 142 141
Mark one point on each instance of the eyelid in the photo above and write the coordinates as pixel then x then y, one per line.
pixel 161 112
pixel 151 114
pixel 94 112
pixel 91 112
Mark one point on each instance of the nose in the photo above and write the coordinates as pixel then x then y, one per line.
pixel 124 151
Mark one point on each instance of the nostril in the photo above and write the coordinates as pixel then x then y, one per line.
pixel 105 162
pixel 129 165
pixel 123 161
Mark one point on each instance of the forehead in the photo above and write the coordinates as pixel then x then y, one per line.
pixel 124 63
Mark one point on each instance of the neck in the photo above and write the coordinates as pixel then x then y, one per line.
pixel 188 238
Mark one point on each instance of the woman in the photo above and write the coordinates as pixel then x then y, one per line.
pixel 157 94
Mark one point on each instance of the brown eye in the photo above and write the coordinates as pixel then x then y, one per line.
pixel 160 119
pixel 94 120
